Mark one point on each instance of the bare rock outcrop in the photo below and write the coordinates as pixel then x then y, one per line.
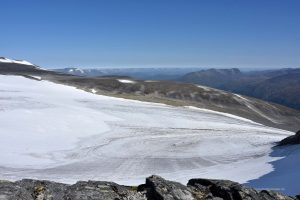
pixel 291 140
pixel 155 188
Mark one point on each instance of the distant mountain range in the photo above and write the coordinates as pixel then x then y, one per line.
pixel 172 93
pixel 137 73
pixel 280 86
pixel 212 77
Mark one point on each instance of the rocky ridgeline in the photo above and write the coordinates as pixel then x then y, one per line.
pixel 155 188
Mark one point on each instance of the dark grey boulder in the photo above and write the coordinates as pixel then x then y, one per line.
pixel 162 189
pixel 223 189
pixel 229 190
pixel 291 140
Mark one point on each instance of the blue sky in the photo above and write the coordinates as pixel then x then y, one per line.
pixel 152 33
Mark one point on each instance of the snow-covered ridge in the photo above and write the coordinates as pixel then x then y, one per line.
pixel 22 62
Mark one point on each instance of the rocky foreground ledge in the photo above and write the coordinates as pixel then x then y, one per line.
pixel 155 188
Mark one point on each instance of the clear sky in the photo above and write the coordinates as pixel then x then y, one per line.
pixel 152 33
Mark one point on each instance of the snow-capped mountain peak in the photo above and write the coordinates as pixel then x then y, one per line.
pixel 75 69
pixel 22 62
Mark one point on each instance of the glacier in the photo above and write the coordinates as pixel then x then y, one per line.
pixel 60 133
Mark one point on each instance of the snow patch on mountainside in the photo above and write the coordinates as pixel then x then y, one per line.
pixel 93 91
pixel 57 132
pixel 76 70
pixel 221 113
pixel 204 87
pixel 36 77
pixel 126 81
pixel 248 103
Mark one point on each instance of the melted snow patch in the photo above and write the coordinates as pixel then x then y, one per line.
pixel 241 97
pixel 204 87
pixel 126 81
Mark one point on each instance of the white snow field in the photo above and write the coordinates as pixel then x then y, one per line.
pixel 57 132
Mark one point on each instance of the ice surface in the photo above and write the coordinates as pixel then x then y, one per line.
pixel 57 132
